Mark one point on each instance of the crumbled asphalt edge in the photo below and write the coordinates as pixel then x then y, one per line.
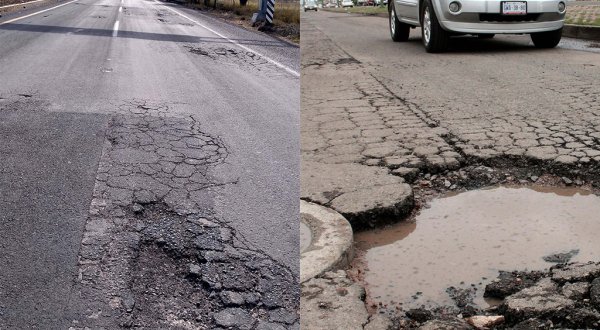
pixel 510 162
pixel 451 158
pixel 433 171
pixel 242 59
pixel 153 254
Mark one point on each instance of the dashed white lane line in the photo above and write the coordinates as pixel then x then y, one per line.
pixel 36 13
pixel 286 68
pixel 116 26
pixel 116 29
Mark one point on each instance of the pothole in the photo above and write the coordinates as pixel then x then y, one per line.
pixel 469 237
pixel 154 253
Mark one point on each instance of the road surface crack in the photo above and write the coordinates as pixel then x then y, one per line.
pixel 154 254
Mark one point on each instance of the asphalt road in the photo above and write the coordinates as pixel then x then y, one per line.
pixel 67 71
pixel 482 101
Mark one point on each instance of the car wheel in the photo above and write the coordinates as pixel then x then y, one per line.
pixel 546 39
pixel 486 36
pixel 435 38
pixel 398 30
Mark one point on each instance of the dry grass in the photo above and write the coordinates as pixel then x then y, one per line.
pixel 285 11
pixel 583 15
pixel 11 2
pixel 286 20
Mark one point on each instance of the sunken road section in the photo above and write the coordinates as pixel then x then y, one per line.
pixel 153 254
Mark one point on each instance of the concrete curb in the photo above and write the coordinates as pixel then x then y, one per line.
pixel 582 32
pixel 331 245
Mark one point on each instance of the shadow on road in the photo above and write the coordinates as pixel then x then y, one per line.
pixel 471 44
pixel 136 35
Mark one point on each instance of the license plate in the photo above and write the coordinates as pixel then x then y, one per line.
pixel 514 8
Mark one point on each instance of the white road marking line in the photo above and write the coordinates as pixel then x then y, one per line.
pixel 116 29
pixel 36 13
pixel 120 9
pixel 295 73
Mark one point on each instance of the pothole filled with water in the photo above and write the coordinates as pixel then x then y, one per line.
pixel 465 239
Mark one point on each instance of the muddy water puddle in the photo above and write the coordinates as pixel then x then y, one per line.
pixel 464 239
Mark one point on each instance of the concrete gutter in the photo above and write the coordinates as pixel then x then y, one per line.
pixel 331 244
pixel 582 32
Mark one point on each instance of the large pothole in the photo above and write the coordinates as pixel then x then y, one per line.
pixel 467 238
pixel 154 254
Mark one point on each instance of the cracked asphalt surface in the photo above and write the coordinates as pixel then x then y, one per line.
pixel 144 184
pixel 501 103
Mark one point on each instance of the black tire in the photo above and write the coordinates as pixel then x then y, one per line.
pixel 438 37
pixel 486 36
pixel 546 39
pixel 398 30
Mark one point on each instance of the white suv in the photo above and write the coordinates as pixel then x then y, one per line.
pixel 439 19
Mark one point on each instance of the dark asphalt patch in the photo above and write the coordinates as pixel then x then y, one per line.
pixel 47 172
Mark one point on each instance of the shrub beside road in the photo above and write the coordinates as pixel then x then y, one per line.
pixel 586 13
